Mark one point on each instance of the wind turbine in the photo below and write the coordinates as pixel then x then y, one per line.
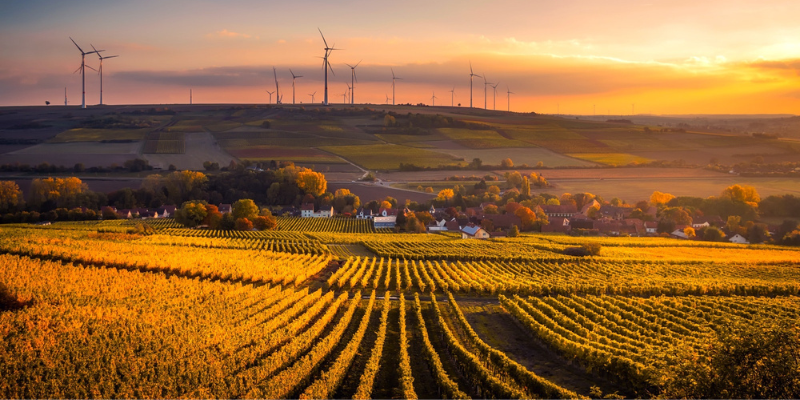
pixel 471 75
pixel 344 95
pixel 353 80
pixel 270 95
pixel 83 73
pixel 394 78
pixel 277 90
pixel 387 99
pixel 326 65
pixel 485 84
pixel 494 97
pixel 433 99
pixel 65 95
pixel 312 97
pixel 349 93
pixel 101 70
pixel 509 98
pixel 293 78
pixel 452 95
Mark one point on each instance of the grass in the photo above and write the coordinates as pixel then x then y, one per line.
pixel 388 156
pixel 221 126
pixel 613 159
pixel 99 135
pixel 188 125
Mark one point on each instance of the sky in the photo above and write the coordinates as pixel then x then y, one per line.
pixel 563 56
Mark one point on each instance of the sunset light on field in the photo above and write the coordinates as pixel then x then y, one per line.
pixel 571 57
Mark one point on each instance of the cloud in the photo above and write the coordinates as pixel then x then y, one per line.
pixel 228 34
pixel 781 65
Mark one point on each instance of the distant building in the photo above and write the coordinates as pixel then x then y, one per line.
pixel 737 238
pixel 307 211
pixel 380 222
pixel 474 232
pixel 564 210
pixel 225 208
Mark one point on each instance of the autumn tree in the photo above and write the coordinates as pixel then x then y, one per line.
pixel 528 218
pixel 243 224
pixel 245 208
pixel 445 195
pixel 553 202
pixel 10 196
pixel 490 209
pixel 658 198
pixel 191 213
pixel 213 216
pixel 689 231
pixel 525 188
pixel 312 182
pixel 713 234
pixel 428 189
pixel 742 193
pixel 507 163
pixel 60 192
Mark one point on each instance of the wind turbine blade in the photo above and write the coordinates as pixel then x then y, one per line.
pixel 323 37
pixel 392 72
pixel 470 68
pixel 329 66
pixel 355 76
pixel 351 67
pixel 76 45
pixel 76 71
pixel 91 68
pixel 96 52
pixel 359 62
pixel 104 58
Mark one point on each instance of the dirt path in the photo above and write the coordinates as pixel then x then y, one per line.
pixel 499 329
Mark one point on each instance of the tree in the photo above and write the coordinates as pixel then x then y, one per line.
pixel 733 224
pixel 108 213
pixel 191 213
pixel 413 225
pixel 213 216
pixel 490 209
pixel 494 189
pixel 245 208
pixel 525 189
pixel 445 195
pixel 660 198
pixel 514 179
pixel 527 216
pixel 428 189
pixel 265 221
pixel 713 234
pixel 507 163
pixel 476 163
pixel 243 224
pixel 389 121
pixel 742 193
pixel 312 182
pixel 386 204
pixel 514 231
pixel 553 202
pixel 592 248
pixel 10 196
pixel 689 232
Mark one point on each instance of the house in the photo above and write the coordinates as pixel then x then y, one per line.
pixel 651 227
pixel 557 224
pixel 437 225
pixel 166 211
pixel 387 212
pixel 614 212
pixel 607 227
pixel 503 221
pixel 388 221
pixel 225 208
pixel 307 211
pixel 453 225
pixel 563 211
pixel 678 233
pixel 705 222
pixel 589 205
pixel 474 232
pixel 737 238
pixel 364 213
pixel 289 212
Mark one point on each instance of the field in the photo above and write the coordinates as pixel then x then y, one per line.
pixel 612 159
pixel 99 135
pixel 387 156
pixel 330 308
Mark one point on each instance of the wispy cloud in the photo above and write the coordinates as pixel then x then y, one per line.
pixel 228 34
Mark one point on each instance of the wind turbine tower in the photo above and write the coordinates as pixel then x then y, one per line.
pixel 326 65
pixel 353 80
pixel 312 97
pixel 471 75
pixel 83 73
pixel 509 92
pixel 494 97
pixel 65 95
pixel 101 70
pixel 394 78
pixel 433 99
pixel 485 84
pixel 277 90
pixel 452 95
pixel 293 78
pixel 270 95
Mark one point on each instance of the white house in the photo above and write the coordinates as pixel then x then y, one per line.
pixel 364 213
pixel 651 227
pixel 384 222
pixel 307 211
pixel 474 232
pixel 437 226
pixel 678 233
pixel 737 238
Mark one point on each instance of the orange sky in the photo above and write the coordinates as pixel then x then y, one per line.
pixel 666 57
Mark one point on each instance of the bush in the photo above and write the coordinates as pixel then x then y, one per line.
pixel 244 224
pixel 576 251
pixel 592 248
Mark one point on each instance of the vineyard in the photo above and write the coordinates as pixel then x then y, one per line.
pixel 331 308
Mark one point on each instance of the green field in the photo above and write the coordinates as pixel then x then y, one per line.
pixel 481 139
pixel 387 156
